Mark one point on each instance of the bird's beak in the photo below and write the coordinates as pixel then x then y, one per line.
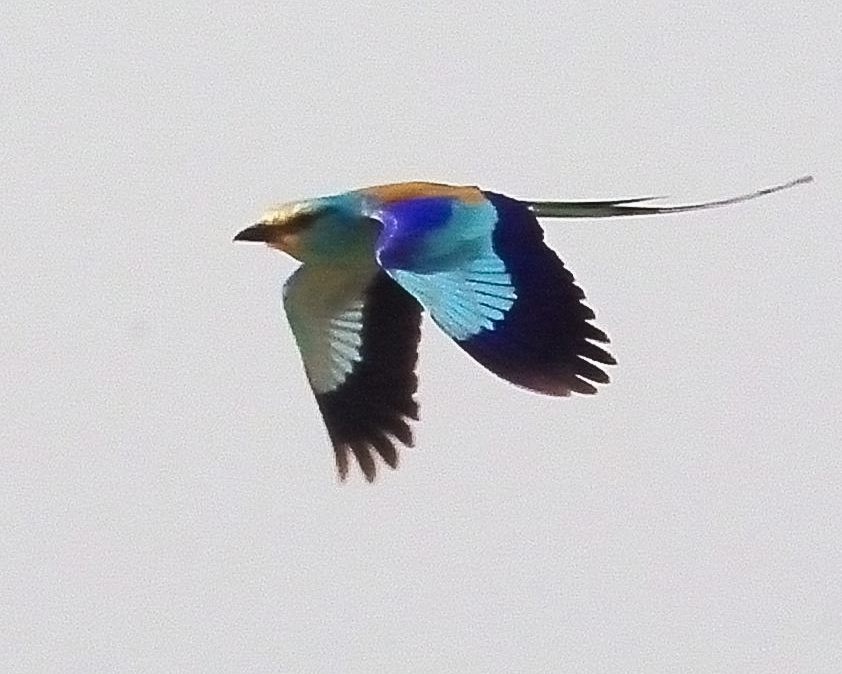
pixel 258 232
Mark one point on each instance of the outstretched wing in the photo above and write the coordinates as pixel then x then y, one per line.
pixel 478 263
pixel 358 333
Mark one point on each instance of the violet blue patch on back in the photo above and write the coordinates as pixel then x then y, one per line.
pixel 407 230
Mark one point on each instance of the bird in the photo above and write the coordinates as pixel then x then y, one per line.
pixel 373 259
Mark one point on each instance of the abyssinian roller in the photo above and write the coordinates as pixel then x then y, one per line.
pixel 374 259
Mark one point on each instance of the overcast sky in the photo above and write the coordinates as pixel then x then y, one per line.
pixel 168 500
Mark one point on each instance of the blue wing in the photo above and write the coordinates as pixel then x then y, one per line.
pixel 480 266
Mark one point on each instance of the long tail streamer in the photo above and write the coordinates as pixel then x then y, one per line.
pixel 624 207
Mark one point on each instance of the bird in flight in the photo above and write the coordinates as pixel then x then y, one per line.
pixel 373 259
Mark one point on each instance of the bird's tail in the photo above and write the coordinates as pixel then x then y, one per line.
pixel 622 207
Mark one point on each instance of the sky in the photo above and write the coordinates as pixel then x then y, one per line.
pixel 168 500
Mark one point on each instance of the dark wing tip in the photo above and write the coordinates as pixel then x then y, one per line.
pixel 387 450
pixel 364 452
pixel 341 454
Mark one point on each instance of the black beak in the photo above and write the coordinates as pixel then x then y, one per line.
pixel 258 232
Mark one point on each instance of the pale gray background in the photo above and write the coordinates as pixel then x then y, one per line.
pixel 167 494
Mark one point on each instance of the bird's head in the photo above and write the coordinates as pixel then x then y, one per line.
pixel 287 227
pixel 325 228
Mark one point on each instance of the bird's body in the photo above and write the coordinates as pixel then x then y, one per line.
pixel 374 258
